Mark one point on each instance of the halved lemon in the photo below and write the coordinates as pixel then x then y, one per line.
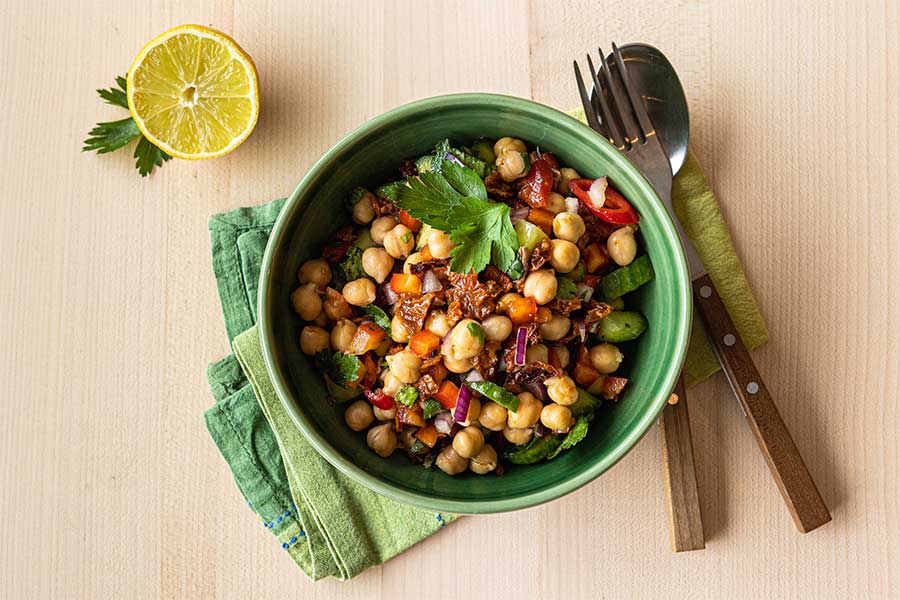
pixel 193 92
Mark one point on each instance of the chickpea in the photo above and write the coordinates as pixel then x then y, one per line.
pixel 493 416
pixel 377 263
pixel 568 226
pixel 307 302
pixel 528 414
pixel 555 203
pixel 511 165
pixel 562 354
pixel 564 255
pixel 537 353
pixel 450 462
pixel 385 415
pixel 335 306
pixel 399 332
pixel 438 323
pixel 359 292
pixel 359 415
pixel 415 257
pixel 363 211
pixel 405 365
pixel 606 358
pixel 313 339
pixel 556 328
pixel 485 461
pixel 540 285
pixel 399 241
pixel 322 320
pixel 556 416
pixel 342 334
pixel 496 328
pixel 565 176
pixel 505 300
pixel 392 385
pixel 561 390
pixel 380 227
pixel 316 271
pixel 439 243
pixel 382 439
pixel 518 436
pixel 507 143
pixel 458 365
pixel 468 442
pixel 621 246
pixel 461 342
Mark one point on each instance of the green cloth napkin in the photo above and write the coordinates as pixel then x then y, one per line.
pixel 328 524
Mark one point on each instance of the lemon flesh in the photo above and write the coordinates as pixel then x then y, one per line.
pixel 193 92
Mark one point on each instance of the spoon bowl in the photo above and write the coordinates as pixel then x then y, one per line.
pixel 654 76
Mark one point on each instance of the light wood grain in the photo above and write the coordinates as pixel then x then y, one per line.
pixel 108 309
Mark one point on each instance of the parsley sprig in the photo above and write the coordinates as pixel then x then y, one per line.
pixel 454 200
pixel 112 135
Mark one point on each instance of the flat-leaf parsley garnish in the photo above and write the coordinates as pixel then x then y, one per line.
pixel 455 201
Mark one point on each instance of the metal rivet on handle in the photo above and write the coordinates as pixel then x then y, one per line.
pixel 728 339
pixel 752 387
pixel 705 291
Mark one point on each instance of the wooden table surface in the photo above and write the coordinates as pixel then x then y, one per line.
pixel 111 486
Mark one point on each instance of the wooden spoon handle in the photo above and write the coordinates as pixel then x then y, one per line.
pixel 680 476
pixel 794 481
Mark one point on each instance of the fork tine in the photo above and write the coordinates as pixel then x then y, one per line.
pixel 611 123
pixel 637 103
pixel 622 106
pixel 585 100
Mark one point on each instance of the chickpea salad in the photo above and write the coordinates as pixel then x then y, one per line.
pixel 471 314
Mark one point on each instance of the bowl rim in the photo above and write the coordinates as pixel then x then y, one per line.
pixel 477 506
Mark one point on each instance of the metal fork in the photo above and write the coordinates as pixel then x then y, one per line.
pixel 627 126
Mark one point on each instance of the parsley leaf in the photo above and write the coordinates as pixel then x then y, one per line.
pixel 454 202
pixel 148 156
pixel 477 332
pixel 407 395
pixel 115 96
pixel 342 368
pixel 379 316
pixel 576 434
pixel 430 408
pixel 350 268
pixel 112 135
pixel 565 288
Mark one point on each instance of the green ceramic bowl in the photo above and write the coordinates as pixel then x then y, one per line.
pixel 367 157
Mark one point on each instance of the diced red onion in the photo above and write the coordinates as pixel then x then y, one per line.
pixel 584 291
pixel 454 159
pixel 473 375
pixel 517 214
pixel 572 204
pixel 521 340
pixel 443 421
pixel 430 282
pixel 597 192
pixel 582 330
pixel 389 294
pixel 462 404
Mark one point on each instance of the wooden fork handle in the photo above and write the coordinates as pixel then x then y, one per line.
pixel 794 481
pixel 680 476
